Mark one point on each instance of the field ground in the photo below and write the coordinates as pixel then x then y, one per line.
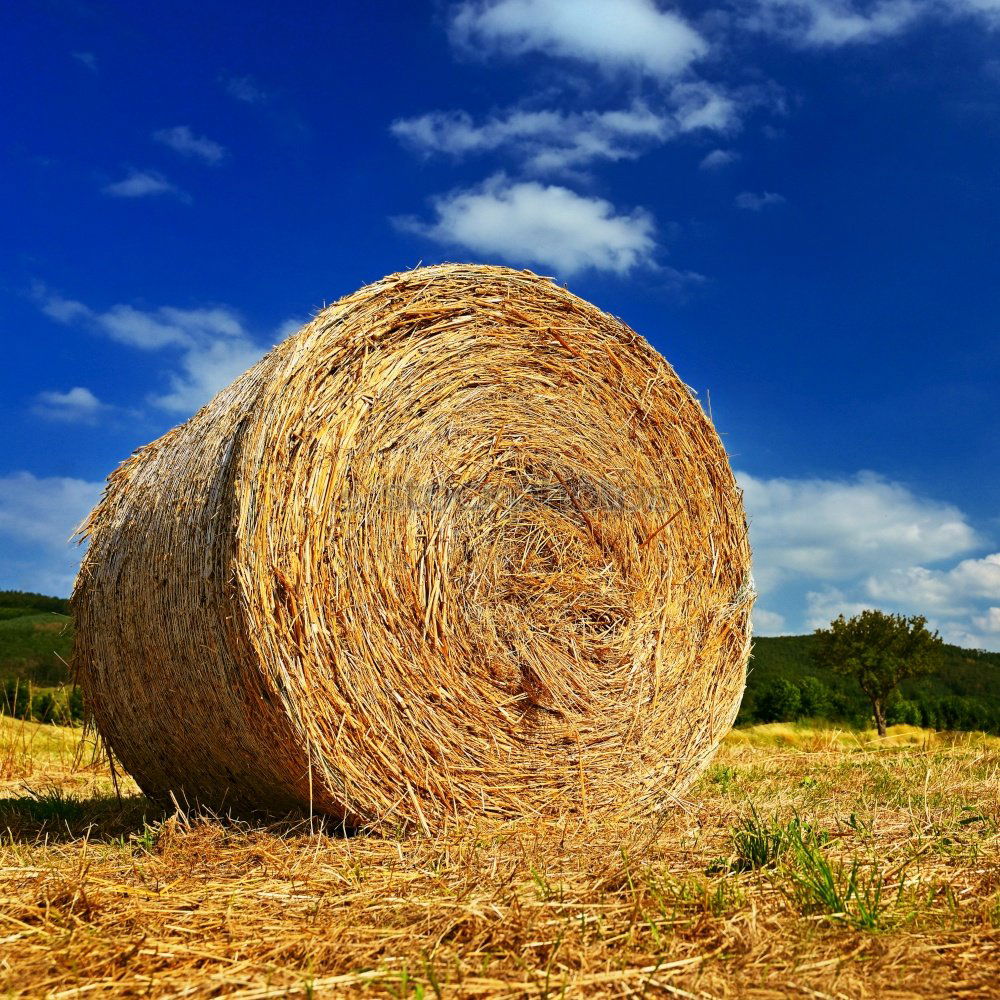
pixel 804 863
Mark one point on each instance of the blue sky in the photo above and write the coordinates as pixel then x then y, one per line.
pixel 796 201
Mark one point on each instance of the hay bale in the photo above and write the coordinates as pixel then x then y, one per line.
pixel 464 542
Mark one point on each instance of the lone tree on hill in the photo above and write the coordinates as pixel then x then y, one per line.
pixel 879 651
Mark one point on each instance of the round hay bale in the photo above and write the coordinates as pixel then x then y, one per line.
pixel 462 543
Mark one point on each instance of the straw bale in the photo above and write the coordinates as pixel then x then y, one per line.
pixel 462 543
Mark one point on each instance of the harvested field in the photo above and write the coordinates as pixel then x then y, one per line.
pixel 807 862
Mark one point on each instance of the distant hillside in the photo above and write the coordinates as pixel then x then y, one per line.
pixel 17 603
pixel 963 693
pixel 35 631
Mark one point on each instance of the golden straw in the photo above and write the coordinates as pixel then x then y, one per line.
pixel 462 543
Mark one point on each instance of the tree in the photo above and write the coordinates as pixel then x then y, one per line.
pixel 815 698
pixel 879 651
pixel 779 701
pixel 902 712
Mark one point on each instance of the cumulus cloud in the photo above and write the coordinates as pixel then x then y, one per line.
pixel 143 184
pixel 701 105
pixel 988 622
pixel 952 591
pixel 38 514
pixel 75 406
pixel 614 35
pixel 207 366
pixel 833 22
pixel 547 225
pixel 752 202
pixel 825 547
pixel 211 346
pixel 829 529
pixel 768 622
pixel 167 326
pixel 181 139
pixel 56 307
pixel 823 606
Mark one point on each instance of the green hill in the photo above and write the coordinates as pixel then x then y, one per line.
pixel 36 638
pixel 36 642
pixel 964 693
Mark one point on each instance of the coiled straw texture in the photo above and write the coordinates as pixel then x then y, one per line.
pixel 462 543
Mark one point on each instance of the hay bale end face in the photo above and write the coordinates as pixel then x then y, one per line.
pixel 462 543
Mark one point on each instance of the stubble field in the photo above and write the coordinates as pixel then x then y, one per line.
pixel 810 863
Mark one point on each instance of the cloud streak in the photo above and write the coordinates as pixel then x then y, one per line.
pixel 751 201
pixel 836 23
pixel 143 184
pixel 547 141
pixel 181 139
pixel 211 346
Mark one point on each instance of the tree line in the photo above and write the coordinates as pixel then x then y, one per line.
pixel 876 654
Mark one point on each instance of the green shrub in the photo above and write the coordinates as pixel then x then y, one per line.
pixel 904 712
pixel 815 698
pixel 15 698
pixel 43 707
pixel 780 701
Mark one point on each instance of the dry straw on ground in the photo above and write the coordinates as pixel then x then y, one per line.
pixel 463 543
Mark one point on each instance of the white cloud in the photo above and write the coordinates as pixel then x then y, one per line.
pixel 58 308
pixel 824 547
pixel 718 158
pixel 614 35
pixel 962 627
pixel 756 202
pixel 44 510
pixel 548 140
pixel 167 326
pixel 768 622
pixel 826 529
pixel 75 406
pixel 211 345
pixel 86 59
pixel 182 140
pixel 246 89
pixel 142 184
pixel 823 606
pixel 547 225
pixel 544 140
pixel 832 23
pixel 989 622
pixel 701 105
pixel 37 517
pixel 289 326
pixel 206 367
pixel 951 591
